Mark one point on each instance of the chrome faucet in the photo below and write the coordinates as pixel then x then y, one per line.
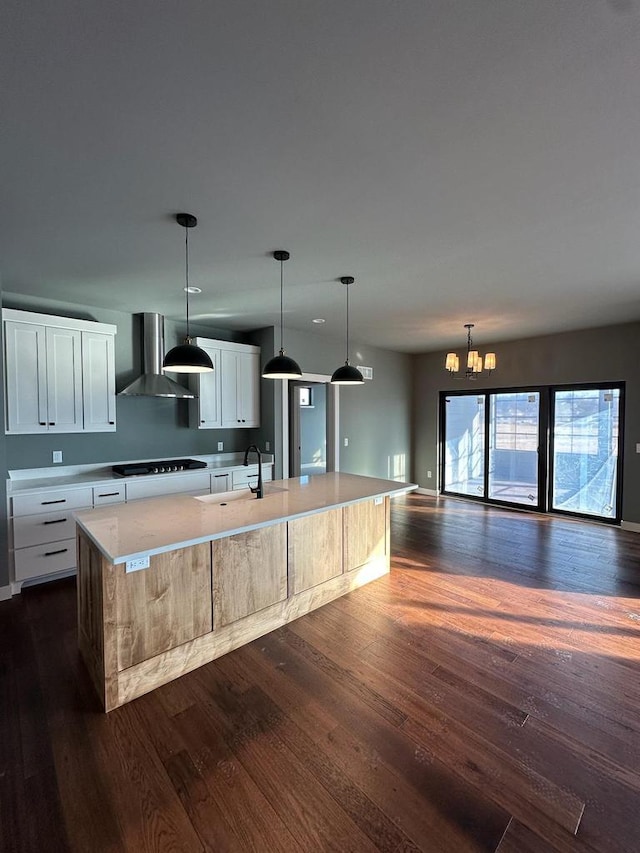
pixel 258 491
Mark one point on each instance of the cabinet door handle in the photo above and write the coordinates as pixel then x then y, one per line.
pixel 112 423
pixel 55 521
pixel 58 501
pixel 220 475
pixel 109 495
pixel 52 423
pixel 43 423
pixel 52 553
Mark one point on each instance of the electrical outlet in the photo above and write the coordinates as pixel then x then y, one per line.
pixel 346 442
pixel 429 474
pixel 137 564
pixel 221 445
pixel 57 456
pixel 267 446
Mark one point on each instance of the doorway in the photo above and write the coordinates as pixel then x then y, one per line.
pixel 312 405
pixel 555 448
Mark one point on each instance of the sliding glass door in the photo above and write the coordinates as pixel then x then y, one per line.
pixel 514 429
pixel 585 441
pixel 464 445
pixel 545 448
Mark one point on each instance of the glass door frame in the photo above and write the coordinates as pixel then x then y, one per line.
pixel 543 419
pixel 587 386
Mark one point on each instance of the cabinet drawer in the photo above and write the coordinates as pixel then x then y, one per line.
pixel 38 529
pixel 243 477
pixel 52 500
pixel 150 488
pixel 45 559
pixel 220 482
pixel 110 494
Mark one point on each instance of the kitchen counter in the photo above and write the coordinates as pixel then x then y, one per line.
pixel 214 572
pixel 24 481
pixel 125 532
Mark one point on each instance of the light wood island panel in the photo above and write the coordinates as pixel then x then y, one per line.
pixel 249 573
pixel 315 549
pixel 142 629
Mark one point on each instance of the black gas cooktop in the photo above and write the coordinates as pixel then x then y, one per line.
pixel 132 469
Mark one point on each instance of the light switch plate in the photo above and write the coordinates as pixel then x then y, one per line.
pixel 221 445
pixel 346 442
pixel 57 456
pixel 267 446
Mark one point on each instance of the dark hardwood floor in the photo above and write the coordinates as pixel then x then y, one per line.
pixel 484 696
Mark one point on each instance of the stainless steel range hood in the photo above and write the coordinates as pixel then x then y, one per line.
pixel 153 382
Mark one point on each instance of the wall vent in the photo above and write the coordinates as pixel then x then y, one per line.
pixel 367 372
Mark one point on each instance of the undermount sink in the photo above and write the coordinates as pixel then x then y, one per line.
pixel 227 497
pixel 221 498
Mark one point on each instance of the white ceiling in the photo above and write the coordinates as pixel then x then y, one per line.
pixel 464 160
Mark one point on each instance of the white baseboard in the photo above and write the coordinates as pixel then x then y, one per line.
pixel 633 526
pixel 5 593
pixel 432 492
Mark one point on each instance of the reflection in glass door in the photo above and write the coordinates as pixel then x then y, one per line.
pixel 585 451
pixel 514 429
pixel 464 445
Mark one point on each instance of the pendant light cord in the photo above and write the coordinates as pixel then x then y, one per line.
pixel 281 307
pixel 347 354
pixel 186 275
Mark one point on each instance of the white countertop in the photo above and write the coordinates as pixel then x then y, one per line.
pixel 34 480
pixel 125 532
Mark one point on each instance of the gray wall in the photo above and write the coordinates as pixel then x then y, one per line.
pixel 375 417
pixel 607 354
pixel 4 544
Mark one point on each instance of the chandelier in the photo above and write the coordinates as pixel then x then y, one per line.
pixel 474 359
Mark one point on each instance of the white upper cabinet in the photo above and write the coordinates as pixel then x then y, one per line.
pixel 59 374
pixel 206 411
pixel 230 396
pixel 98 382
pixel 240 375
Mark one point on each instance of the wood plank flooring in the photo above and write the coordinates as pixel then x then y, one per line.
pixel 483 697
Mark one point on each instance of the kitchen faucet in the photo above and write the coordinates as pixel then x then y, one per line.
pixel 258 491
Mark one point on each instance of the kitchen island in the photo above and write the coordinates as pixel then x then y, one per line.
pixel 168 584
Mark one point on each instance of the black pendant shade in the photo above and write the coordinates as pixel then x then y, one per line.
pixel 347 374
pixel 281 366
pixel 186 357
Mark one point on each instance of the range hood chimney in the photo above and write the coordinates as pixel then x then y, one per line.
pixel 153 382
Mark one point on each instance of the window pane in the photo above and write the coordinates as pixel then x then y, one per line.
pixel 585 451
pixel 513 447
pixel 464 445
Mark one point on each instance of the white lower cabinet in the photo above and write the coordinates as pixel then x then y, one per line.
pixel 242 478
pixel 43 530
pixel 176 484
pixel 220 483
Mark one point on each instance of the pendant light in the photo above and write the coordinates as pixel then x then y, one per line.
pixel 281 366
pixel 347 374
pixel 186 357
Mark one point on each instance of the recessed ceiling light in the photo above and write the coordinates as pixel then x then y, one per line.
pixel 192 289
pixel 318 320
